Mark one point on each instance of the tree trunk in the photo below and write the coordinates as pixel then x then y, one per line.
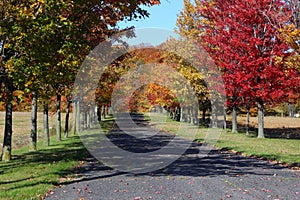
pixel 46 125
pixel 92 117
pixel 171 112
pixel 181 114
pixel 178 114
pixel 190 114
pixel 214 118
pixel 103 112
pixel 291 109
pixel 260 120
pixel 184 114
pixel 248 121
pixel 7 141
pixel 110 111
pixel 203 115
pixel 96 115
pixel 88 118
pixel 234 120
pixel 74 115
pixel 99 113
pixel 33 132
pixel 196 113
pixel 225 119
pixel 84 117
pixel 58 118
pixel 78 125
pixel 67 118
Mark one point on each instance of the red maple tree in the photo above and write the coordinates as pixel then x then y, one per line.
pixel 242 38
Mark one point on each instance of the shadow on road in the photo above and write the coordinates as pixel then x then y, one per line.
pixel 216 163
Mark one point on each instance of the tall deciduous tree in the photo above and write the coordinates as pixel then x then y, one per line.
pixel 7 15
pixel 189 28
pixel 244 42
pixel 44 42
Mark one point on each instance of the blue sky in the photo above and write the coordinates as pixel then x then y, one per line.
pixel 163 17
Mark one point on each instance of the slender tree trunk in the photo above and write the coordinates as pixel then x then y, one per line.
pixel 203 115
pixel 78 125
pixel 190 114
pixel 46 125
pixel 196 113
pixel 99 113
pixel 92 113
pixel 234 120
pixel 7 141
pixel 214 122
pixel 67 118
pixel 74 110
pixel 178 114
pixel 291 109
pixel 109 110
pixel 58 118
pixel 84 117
pixel 96 115
pixel 33 132
pixel 88 118
pixel 248 121
pixel 182 114
pixel 225 119
pixel 103 112
pixel 172 112
pixel 260 120
pixel 92 117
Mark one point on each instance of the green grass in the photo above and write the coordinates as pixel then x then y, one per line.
pixel 30 175
pixel 106 124
pixel 286 151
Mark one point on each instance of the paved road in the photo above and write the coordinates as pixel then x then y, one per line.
pixel 220 175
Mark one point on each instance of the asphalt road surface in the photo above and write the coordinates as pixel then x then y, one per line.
pixel 219 175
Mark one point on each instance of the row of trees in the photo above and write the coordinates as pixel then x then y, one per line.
pixel 255 45
pixel 42 46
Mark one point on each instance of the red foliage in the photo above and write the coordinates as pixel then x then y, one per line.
pixel 242 38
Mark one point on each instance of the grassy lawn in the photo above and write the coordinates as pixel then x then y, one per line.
pixel 30 175
pixel 286 151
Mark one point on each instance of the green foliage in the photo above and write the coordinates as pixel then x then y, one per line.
pixel 50 39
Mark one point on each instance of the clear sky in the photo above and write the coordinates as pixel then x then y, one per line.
pixel 162 16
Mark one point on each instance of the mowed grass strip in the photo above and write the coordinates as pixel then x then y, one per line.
pixel 285 151
pixel 31 175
